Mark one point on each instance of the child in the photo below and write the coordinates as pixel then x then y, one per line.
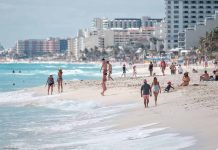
pixel 169 86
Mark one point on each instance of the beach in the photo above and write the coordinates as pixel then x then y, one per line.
pixel 188 114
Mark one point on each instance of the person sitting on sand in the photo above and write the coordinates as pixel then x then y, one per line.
pixel 50 83
pixel 104 87
pixel 180 70
pixel 109 70
pixel 216 75
pixel 134 71
pixel 124 70
pixel 156 89
pixel 194 70
pixel 185 79
pixel 169 86
pixel 60 80
pixel 145 92
pixel 150 68
pixel 205 76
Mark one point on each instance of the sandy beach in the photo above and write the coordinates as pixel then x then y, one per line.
pixel 191 110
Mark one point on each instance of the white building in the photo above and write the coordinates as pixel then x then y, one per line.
pixel 182 14
pixel 73 48
pixel 192 36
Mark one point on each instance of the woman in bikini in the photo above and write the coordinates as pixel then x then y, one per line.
pixel 156 89
pixel 60 81
pixel 50 83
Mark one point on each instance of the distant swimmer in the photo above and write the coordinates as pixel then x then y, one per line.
pixel 13 71
pixel 60 80
pixel 19 71
pixel 50 83
pixel 13 84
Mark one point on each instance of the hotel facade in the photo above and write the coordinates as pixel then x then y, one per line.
pixel 184 14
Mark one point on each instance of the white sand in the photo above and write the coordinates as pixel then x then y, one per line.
pixel 191 110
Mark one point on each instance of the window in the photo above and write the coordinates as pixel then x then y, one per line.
pixel 215 2
pixel 176 11
pixel 169 7
pixel 176 26
pixel 169 2
pixel 193 6
pixel 169 41
pixel 208 7
pixel 175 36
pixel 176 31
pixel 208 2
pixel 193 16
pixel 193 21
pixel 215 7
pixel 169 12
pixel 176 21
pixel 185 21
pixel 200 16
pixel 176 2
pixel 185 26
pixel 185 2
pixel 185 16
pixel 169 17
pixel 175 41
pixel 169 31
pixel 193 2
pixel 176 7
pixel 201 12
pixel 193 12
pixel 201 7
pixel 209 12
pixel 176 16
pixel 185 12
pixel 201 2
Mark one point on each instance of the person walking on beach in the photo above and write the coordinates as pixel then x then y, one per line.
pixel 145 92
pixel 150 68
pixel 109 70
pixel 124 71
pixel 104 87
pixel 180 70
pixel 156 89
pixel 50 83
pixel 60 81
pixel 185 79
pixel 163 66
pixel 104 66
pixel 173 69
pixel 134 71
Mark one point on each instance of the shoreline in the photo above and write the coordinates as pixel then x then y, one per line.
pixel 191 111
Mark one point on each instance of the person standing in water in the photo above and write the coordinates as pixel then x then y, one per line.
pixel 146 92
pixel 50 83
pixel 156 89
pixel 60 81
pixel 150 68
pixel 124 70
pixel 109 70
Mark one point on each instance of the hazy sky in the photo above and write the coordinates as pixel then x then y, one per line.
pixel 23 19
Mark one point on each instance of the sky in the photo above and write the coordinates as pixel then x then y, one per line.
pixel 40 19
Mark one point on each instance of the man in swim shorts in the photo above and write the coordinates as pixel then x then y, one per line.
pixel 145 92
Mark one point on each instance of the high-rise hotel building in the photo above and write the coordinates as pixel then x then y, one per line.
pixel 185 14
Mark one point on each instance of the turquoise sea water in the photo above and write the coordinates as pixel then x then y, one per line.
pixel 30 74
pixel 41 122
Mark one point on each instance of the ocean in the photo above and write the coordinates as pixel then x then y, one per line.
pixel 34 122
